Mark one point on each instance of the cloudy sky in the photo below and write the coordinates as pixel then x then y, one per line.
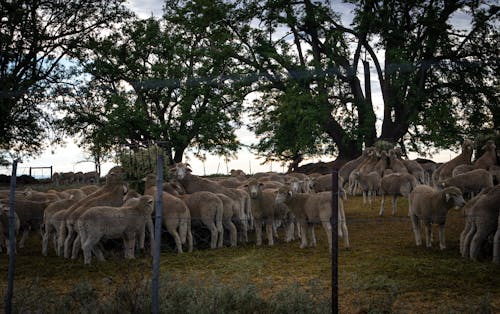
pixel 72 158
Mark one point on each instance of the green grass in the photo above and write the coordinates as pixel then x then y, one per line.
pixel 383 272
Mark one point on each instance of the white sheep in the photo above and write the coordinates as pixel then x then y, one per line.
pixel 445 171
pixel 127 222
pixel 369 184
pixel 471 182
pixel 430 206
pixel 483 219
pixel 208 208
pixel 396 184
pixel 311 209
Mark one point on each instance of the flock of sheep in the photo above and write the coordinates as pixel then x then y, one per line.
pixel 79 219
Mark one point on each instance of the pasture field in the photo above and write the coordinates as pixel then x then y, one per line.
pixel 383 272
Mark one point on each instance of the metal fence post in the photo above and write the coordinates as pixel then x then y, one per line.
pixel 335 238
pixel 12 240
pixel 157 237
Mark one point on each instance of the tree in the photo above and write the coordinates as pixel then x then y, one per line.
pixel 168 80
pixel 437 80
pixel 37 39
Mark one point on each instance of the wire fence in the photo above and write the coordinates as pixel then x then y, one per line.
pixel 80 225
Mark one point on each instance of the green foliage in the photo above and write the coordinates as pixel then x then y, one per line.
pixel 37 40
pixel 140 162
pixel 383 146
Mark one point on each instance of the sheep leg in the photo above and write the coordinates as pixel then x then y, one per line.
pixel 428 234
pixel 312 235
pixel 298 230
pixel 233 233
pixel 213 234
pixel 23 238
pixel 68 241
pixel 98 252
pixel 220 234
pixel 61 238
pixel 45 241
pixel 496 247
pixel 468 240
pixel 478 240
pixel 258 231
pixel 328 229
pixel 189 237
pixel 290 230
pixel 88 247
pixel 129 245
pixel 364 197
pixel 150 228
pixel 303 238
pixel 76 247
pixel 269 231
pixel 416 230
pixel 382 202
pixel 394 204
pixel 463 235
pixel 442 242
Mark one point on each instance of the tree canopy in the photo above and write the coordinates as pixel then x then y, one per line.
pixel 37 38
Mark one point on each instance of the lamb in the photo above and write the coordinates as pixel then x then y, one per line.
pixel 263 210
pixel 207 208
pixel 396 184
pixel 192 183
pixel 445 171
pixel 310 209
pixel 470 182
pixel 369 183
pixel 126 222
pixel 175 215
pixel 430 206
pixel 483 219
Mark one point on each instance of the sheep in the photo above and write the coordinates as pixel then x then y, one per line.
pixel 396 184
pixel 192 183
pixel 111 194
pixel 310 209
pixel 429 168
pixel 175 215
pixel 36 196
pixel 483 219
pixel 416 170
pixel 230 182
pixel 430 206
pixel 487 159
pixel 369 183
pixel 229 210
pixel 383 164
pixel 91 177
pixel 369 165
pixel 126 222
pixel 445 171
pixel 207 208
pixel 89 189
pixel 239 174
pixel 467 209
pixel 351 165
pixel 50 225
pixel 495 173
pixel 4 227
pixel 396 163
pixel 470 182
pixel 30 215
pixel 263 210
pixel 323 183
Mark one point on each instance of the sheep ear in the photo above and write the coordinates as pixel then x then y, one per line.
pixel 289 192
pixel 125 189
pixel 447 196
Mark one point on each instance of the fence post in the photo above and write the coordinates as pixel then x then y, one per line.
pixel 157 237
pixel 12 240
pixel 335 238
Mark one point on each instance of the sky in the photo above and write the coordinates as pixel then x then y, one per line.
pixel 71 158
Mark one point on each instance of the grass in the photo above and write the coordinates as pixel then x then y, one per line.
pixel 383 272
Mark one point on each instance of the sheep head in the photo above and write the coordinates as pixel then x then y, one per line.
pixel 454 194
pixel 181 170
pixel 254 188
pixel 489 146
pixel 284 194
pixel 467 146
